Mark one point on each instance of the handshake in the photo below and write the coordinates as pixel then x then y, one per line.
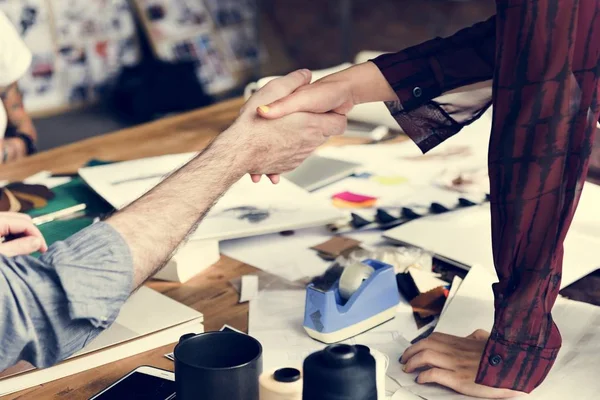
pixel 286 120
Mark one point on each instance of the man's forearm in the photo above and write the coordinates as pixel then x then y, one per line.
pixel 156 224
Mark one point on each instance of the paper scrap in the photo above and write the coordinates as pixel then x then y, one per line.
pixel 339 203
pixel 425 280
pixel 456 282
pixel 353 197
pixel 336 246
pixel 249 289
pixel 429 304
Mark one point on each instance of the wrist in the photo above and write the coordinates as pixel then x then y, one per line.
pixel 231 148
pixel 368 84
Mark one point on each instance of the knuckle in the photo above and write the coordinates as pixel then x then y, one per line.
pixel 427 354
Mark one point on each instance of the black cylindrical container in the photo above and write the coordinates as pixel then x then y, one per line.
pixel 217 366
pixel 340 372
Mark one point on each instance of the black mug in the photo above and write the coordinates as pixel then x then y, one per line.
pixel 217 366
pixel 340 372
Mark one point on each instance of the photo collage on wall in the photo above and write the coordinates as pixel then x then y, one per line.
pixel 219 35
pixel 78 47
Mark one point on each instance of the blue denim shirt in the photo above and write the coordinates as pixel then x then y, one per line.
pixel 53 306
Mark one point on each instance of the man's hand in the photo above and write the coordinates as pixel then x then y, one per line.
pixel 453 362
pixel 281 145
pixel 20 236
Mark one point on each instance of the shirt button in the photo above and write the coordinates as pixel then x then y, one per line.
pixel 495 360
pixel 417 92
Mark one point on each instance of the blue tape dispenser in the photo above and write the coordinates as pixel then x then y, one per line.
pixel 365 296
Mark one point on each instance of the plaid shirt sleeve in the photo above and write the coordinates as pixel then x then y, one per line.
pixel 545 68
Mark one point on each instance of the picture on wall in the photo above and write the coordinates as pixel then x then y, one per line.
pixel 107 57
pixel 73 60
pixel 242 45
pixel 170 19
pixel 78 47
pixel 78 20
pixel 231 12
pixel 41 86
pixel 212 69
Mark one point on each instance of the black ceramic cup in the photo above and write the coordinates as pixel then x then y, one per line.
pixel 217 366
pixel 340 372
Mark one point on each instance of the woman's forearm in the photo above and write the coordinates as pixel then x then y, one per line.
pixel 366 82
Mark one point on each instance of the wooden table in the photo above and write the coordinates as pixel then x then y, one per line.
pixel 209 292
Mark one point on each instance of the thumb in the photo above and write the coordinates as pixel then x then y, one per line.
pixel 21 246
pixel 295 102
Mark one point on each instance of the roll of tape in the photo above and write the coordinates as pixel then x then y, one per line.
pixel 352 277
pixel 282 384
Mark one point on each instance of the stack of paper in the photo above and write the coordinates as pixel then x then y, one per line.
pixel 135 331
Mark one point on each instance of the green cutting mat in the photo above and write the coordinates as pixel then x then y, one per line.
pixel 68 195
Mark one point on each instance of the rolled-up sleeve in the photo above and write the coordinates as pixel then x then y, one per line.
pixel 52 306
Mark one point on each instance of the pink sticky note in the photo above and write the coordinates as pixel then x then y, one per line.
pixel 353 197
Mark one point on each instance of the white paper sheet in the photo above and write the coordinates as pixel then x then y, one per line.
pixel 289 257
pixel 425 280
pixel 249 288
pixel 465 237
pixel 276 319
pixel 574 375
pixel 284 206
pixel 456 282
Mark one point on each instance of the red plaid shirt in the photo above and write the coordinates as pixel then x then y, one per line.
pixel 543 57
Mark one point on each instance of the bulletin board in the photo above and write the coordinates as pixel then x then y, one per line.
pixel 78 47
pixel 219 35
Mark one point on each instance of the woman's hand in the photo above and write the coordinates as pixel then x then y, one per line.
pixel 452 362
pixel 337 93
pixel 23 236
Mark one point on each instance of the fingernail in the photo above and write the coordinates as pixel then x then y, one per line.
pixel 264 109
pixel 305 72
pixel 36 242
pixel 404 368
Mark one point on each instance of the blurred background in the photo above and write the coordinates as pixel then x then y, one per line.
pixel 103 65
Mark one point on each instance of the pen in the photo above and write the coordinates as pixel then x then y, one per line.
pixel 67 212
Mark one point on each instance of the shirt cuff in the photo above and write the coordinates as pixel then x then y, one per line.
pixel 515 366
pixel 95 269
pixel 412 79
